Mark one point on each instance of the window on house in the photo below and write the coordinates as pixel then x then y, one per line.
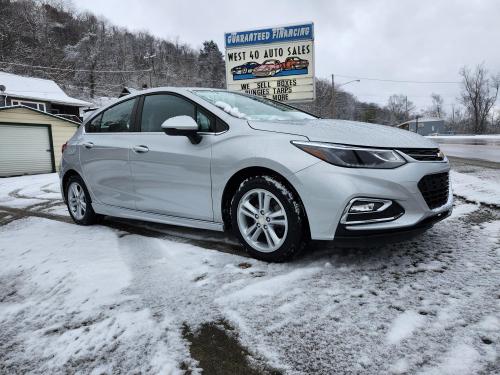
pixel 35 105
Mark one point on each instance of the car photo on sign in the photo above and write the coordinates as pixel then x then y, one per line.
pixel 295 62
pixel 244 68
pixel 271 68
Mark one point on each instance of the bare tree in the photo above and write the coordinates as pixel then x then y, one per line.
pixel 436 108
pixel 479 94
pixel 400 108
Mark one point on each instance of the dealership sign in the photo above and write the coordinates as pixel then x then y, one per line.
pixel 276 63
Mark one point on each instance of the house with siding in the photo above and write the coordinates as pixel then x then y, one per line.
pixel 36 119
pixel 424 126
pixel 42 94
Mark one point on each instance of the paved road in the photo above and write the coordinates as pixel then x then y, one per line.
pixel 480 152
pixel 474 149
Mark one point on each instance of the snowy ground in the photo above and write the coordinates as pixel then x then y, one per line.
pixel 481 147
pixel 128 297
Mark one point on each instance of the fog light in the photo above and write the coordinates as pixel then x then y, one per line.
pixel 364 207
pixel 370 210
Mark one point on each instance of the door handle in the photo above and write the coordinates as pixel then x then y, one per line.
pixel 140 149
pixel 88 144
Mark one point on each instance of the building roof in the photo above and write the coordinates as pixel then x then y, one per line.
pixel 37 89
pixel 40 112
pixel 421 120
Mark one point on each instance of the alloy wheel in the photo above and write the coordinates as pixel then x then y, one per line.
pixel 262 220
pixel 76 200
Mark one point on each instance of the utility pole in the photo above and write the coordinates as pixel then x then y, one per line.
pixel 406 105
pixel 152 68
pixel 333 95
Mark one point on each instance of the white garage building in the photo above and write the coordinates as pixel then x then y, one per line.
pixel 31 140
pixel 36 119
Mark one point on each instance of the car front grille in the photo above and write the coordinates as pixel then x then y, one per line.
pixel 423 154
pixel 435 189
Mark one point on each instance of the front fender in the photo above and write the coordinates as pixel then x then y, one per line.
pixel 263 149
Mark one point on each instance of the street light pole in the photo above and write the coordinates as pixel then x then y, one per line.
pixel 334 93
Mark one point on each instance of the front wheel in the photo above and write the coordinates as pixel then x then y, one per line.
pixel 268 219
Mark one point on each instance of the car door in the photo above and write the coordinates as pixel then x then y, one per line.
pixel 171 175
pixel 104 155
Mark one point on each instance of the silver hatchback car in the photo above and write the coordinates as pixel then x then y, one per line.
pixel 275 175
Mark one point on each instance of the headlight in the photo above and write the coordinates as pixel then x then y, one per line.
pixel 352 156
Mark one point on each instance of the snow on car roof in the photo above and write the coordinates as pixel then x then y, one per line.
pixel 37 89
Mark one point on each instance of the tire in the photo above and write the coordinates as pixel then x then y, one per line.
pixel 86 216
pixel 257 220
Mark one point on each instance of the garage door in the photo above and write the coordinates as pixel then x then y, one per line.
pixel 24 149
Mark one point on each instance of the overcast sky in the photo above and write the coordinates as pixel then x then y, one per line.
pixel 420 40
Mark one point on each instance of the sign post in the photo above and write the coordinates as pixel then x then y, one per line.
pixel 276 63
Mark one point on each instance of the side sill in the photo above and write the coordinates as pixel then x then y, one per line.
pixel 127 213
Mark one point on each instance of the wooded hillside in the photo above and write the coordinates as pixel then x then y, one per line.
pixel 86 51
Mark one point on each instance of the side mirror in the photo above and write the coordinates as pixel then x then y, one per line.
pixel 184 126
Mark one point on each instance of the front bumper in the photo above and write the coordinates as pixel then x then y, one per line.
pixel 370 238
pixel 326 190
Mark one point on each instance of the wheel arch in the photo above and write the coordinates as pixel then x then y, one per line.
pixel 64 184
pixel 237 178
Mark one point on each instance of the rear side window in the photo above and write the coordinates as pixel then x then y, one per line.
pixel 118 118
pixel 158 108
pixel 93 125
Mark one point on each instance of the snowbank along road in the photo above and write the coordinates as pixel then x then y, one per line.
pixel 129 297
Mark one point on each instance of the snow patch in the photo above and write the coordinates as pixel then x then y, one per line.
pixel 233 111
pixel 399 367
pixel 490 323
pixel 463 210
pixel 269 287
pixel 475 189
pixel 460 360
pixel 72 312
pixel 404 326
pixel 25 191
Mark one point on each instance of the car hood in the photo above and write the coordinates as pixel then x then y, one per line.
pixel 347 132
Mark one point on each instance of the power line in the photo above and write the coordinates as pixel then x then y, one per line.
pixel 399 81
pixel 73 70
pixel 148 70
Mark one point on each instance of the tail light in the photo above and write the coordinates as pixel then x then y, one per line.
pixel 64 146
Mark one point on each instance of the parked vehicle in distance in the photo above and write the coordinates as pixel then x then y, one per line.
pixel 245 68
pixel 267 68
pixel 274 175
pixel 294 62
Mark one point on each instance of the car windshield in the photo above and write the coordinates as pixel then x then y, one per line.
pixel 251 107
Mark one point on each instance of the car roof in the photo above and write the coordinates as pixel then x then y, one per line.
pixel 175 90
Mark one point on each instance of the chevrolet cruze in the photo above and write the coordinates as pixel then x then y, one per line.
pixel 274 175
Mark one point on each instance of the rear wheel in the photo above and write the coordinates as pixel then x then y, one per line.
pixel 268 219
pixel 79 203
